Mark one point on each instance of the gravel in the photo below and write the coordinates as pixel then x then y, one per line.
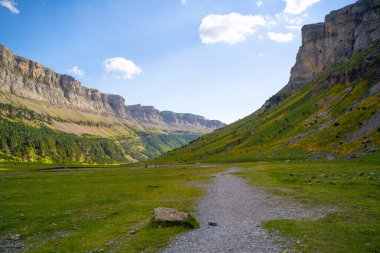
pixel 238 210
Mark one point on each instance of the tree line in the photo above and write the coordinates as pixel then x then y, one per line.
pixel 26 143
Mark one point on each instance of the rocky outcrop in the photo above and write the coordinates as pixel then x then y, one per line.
pixel 343 33
pixel 27 79
pixel 150 116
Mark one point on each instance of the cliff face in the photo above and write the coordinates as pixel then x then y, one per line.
pixel 343 33
pixel 27 79
pixel 148 115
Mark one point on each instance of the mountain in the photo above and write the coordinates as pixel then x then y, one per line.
pixel 150 117
pixel 329 109
pixel 46 114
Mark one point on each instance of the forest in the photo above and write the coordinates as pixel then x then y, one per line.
pixel 20 142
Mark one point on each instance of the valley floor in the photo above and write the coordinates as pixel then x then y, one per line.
pixel 305 206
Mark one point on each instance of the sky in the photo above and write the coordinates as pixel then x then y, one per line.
pixel 221 59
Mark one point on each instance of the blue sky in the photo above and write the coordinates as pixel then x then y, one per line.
pixel 218 58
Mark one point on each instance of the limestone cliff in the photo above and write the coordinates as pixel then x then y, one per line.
pixel 344 32
pixel 23 78
pixel 27 79
pixel 150 117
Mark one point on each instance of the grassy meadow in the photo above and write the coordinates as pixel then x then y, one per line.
pixel 82 210
pixel 350 189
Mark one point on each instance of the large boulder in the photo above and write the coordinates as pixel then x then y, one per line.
pixel 163 214
pixel 164 217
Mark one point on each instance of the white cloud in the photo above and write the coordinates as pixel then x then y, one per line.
pixel 281 37
pixel 231 28
pixel 128 69
pixel 10 5
pixel 291 22
pixel 298 6
pixel 293 27
pixel 290 19
pixel 259 3
pixel 76 71
pixel 183 1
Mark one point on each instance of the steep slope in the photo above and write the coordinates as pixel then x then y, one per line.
pixel 329 109
pixel 37 105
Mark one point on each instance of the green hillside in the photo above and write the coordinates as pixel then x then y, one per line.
pixel 336 115
pixel 28 136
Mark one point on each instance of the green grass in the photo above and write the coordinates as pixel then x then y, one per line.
pixel 82 210
pixel 79 210
pixel 352 189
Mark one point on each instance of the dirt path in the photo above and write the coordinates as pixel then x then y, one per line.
pixel 238 209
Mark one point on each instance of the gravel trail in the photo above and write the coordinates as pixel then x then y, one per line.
pixel 238 209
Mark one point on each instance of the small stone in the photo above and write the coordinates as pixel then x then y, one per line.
pixel 18 245
pixel 132 232
pixel 152 186
pixel 15 237
pixel 101 250
pixel 213 224
pixel 360 174
pixel 108 243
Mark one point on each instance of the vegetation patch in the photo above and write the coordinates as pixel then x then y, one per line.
pixel 91 209
pixel 352 189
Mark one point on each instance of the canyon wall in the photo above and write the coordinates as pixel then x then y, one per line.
pixel 344 32
pixel 27 79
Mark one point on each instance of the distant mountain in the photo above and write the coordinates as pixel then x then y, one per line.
pixel 37 102
pixel 330 108
pixel 150 117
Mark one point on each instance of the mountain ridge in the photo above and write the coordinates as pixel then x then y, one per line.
pixel 27 79
pixel 49 117
pixel 329 109
pixel 148 116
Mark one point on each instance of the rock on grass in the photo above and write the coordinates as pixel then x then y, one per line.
pixel 164 217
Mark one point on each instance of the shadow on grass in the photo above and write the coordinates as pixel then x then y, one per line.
pixel 189 223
